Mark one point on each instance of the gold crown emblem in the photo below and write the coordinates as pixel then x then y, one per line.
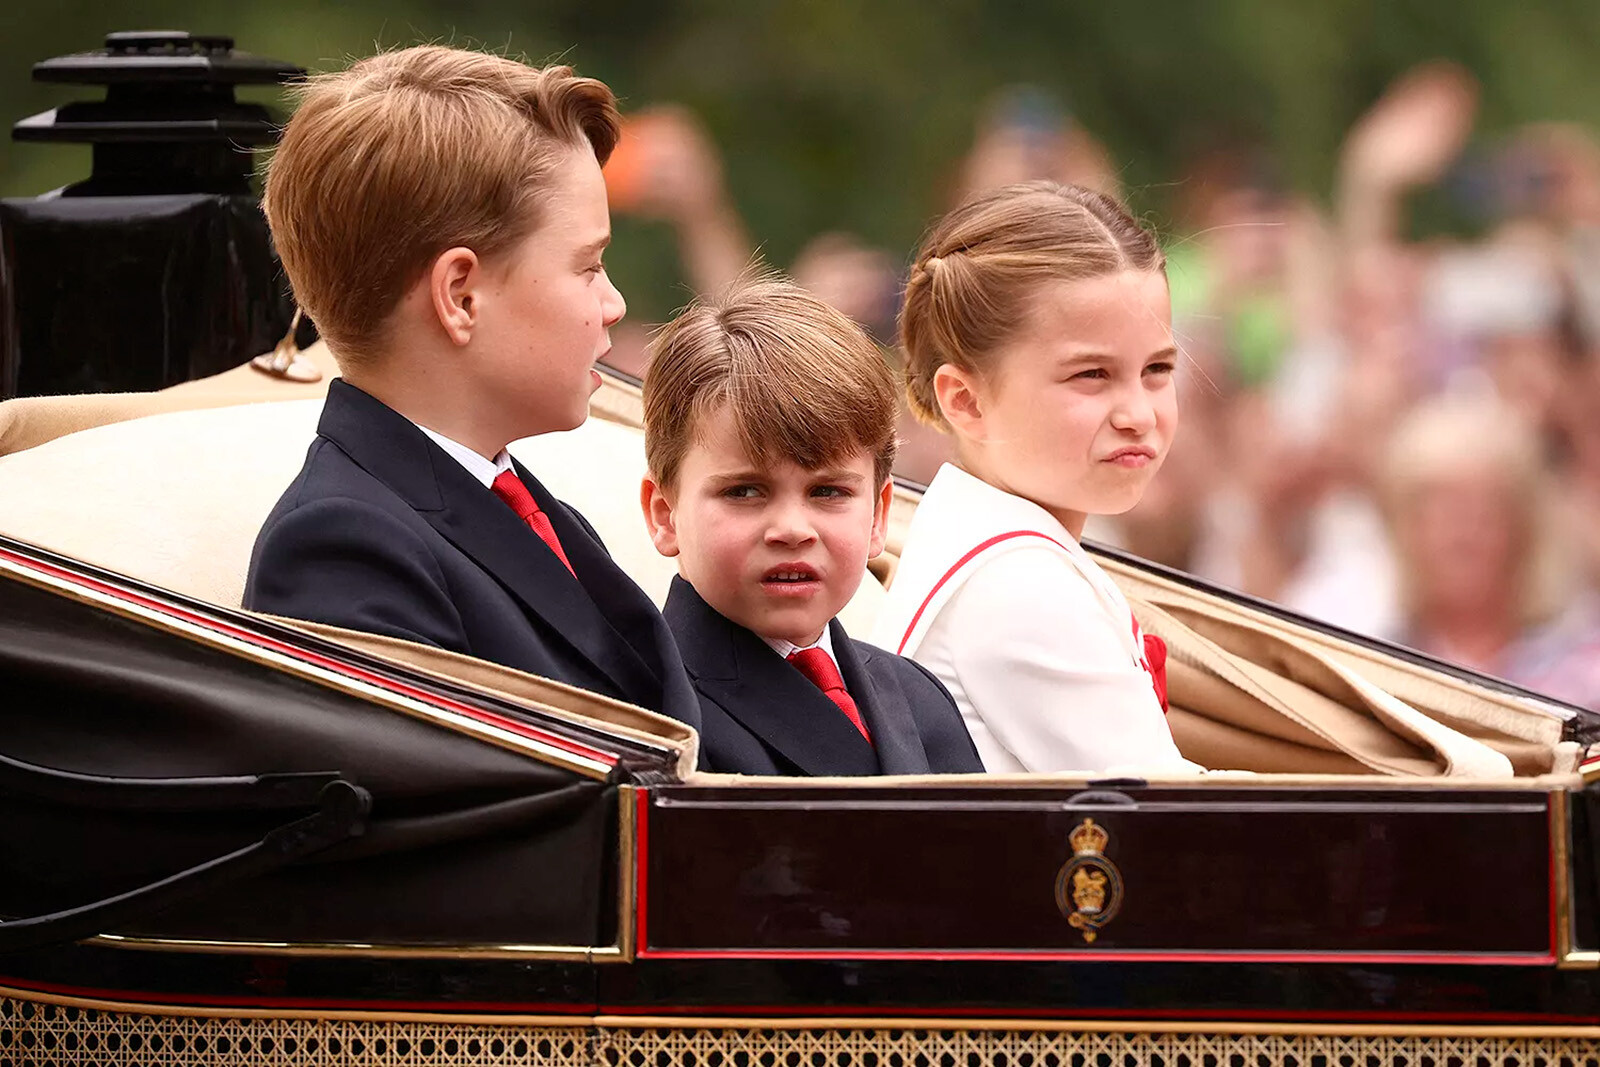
pixel 1088 838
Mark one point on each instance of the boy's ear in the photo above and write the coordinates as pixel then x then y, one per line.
pixel 880 519
pixel 959 400
pixel 658 517
pixel 452 290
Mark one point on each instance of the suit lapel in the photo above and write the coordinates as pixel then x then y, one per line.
pixel 623 604
pixel 766 695
pixel 624 609
pixel 479 524
pixel 882 704
pixel 389 447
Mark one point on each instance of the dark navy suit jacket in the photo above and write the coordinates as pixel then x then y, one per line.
pixel 759 715
pixel 384 532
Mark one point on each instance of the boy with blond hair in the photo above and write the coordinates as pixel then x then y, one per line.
pixel 441 216
pixel 769 431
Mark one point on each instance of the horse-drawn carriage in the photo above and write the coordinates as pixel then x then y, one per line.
pixel 232 838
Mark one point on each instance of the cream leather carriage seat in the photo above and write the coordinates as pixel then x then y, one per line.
pixel 176 498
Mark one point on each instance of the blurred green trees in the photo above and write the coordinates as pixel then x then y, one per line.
pixel 843 114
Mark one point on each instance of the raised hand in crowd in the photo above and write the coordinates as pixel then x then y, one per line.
pixel 1408 138
pixel 667 167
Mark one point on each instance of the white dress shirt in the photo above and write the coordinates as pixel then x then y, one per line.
pixel 1035 642
pixel 485 470
pixel 789 648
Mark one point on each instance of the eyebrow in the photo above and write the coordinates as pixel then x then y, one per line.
pixel 597 245
pixel 821 474
pixel 738 477
pixel 1096 356
pixel 836 474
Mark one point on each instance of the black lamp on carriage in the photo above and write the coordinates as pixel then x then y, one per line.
pixel 157 268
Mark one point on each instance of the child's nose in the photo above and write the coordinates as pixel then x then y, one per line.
pixel 1134 411
pixel 612 306
pixel 789 524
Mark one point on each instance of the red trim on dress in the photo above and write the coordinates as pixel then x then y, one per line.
pixel 962 562
pixel 1152 649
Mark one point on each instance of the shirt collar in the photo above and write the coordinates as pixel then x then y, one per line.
pixel 993 507
pixel 485 470
pixel 789 648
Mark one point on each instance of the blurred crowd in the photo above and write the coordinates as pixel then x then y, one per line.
pixel 1400 436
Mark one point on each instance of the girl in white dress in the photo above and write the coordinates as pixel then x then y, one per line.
pixel 1037 331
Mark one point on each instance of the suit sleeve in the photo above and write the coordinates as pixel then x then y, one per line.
pixel 944 736
pixel 347 563
pixel 1041 666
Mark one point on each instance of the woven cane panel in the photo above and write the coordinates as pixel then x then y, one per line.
pixel 958 1048
pixel 33 1035
pixel 37 1034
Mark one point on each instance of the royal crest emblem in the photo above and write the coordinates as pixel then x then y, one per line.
pixel 1089 887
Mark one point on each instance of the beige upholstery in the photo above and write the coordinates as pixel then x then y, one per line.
pixel 1251 700
pixel 176 499
pixel 1217 653
pixel 30 421
pixel 527 690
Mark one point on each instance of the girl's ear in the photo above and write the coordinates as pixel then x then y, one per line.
pixel 960 400
pixel 880 519
pixel 658 517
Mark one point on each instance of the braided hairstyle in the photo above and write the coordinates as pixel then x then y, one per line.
pixel 980 265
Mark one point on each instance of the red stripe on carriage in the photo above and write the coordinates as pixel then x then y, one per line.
pixel 488 718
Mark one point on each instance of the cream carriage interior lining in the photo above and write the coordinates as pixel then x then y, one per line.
pixel 171 488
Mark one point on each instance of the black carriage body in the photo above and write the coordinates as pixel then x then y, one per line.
pixel 515 864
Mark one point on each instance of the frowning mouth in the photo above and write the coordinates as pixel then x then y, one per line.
pixel 1132 456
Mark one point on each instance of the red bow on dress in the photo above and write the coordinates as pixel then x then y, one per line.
pixel 1155 661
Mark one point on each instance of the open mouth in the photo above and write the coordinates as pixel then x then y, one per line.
pixel 790 576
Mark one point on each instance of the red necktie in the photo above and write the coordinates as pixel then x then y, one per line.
pixel 508 487
pixel 818 666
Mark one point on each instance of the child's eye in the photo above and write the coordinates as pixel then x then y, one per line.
pixel 834 492
pixel 1163 367
pixel 1092 374
pixel 598 268
pixel 741 492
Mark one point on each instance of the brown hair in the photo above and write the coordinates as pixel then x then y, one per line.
pixel 406 154
pixel 980 264
pixel 803 381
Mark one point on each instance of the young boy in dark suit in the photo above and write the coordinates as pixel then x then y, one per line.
pixel 441 216
pixel 769 430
